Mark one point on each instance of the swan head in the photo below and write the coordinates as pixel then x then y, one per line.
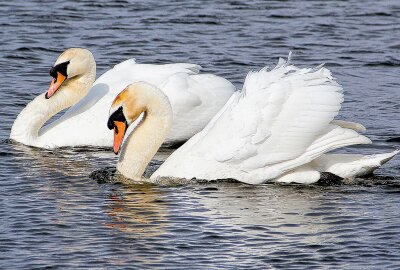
pixel 126 109
pixel 69 65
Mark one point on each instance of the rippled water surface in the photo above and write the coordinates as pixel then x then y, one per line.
pixel 52 214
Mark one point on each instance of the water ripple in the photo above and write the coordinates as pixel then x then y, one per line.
pixel 53 215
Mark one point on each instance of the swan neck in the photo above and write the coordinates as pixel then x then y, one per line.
pixel 30 120
pixel 143 143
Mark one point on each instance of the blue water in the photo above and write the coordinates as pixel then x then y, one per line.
pixel 53 215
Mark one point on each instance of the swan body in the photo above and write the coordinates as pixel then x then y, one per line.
pixel 195 98
pixel 278 128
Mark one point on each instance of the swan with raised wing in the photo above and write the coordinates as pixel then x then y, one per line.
pixel 195 99
pixel 278 128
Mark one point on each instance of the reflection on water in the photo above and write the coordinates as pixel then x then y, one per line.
pixel 141 214
pixel 51 203
pixel 53 215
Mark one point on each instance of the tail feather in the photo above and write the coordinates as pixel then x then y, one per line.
pixel 352 165
pixel 350 125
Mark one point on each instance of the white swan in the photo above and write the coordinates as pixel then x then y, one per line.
pixel 279 127
pixel 195 99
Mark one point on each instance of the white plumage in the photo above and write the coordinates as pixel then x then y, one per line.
pixel 278 127
pixel 195 99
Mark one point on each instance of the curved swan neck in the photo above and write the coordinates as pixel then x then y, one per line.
pixel 143 143
pixel 29 121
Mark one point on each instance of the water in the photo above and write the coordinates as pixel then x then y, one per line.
pixel 54 215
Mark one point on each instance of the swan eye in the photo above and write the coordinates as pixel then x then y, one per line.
pixel 118 115
pixel 61 68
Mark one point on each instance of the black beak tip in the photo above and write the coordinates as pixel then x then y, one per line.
pixel 46 96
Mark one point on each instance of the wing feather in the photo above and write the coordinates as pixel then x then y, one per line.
pixel 280 120
pixel 278 115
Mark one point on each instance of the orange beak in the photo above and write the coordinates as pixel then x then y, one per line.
pixel 119 133
pixel 55 84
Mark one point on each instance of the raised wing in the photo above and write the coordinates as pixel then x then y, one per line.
pixel 277 116
pixel 280 120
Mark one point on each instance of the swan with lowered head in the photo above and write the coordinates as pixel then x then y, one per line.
pixel 279 127
pixel 195 99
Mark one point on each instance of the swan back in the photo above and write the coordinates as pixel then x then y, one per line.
pixel 280 120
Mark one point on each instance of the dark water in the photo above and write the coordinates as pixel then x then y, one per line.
pixel 53 215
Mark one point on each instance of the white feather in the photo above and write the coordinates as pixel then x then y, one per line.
pixel 195 99
pixel 281 120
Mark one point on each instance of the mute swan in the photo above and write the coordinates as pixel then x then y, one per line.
pixel 279 127
pixel 195 99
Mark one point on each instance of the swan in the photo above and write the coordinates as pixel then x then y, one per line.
pixel 279 127
pixel 195 99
